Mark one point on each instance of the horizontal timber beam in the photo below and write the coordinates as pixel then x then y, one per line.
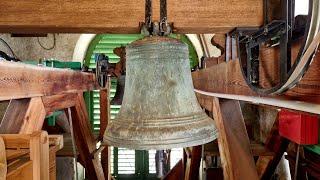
pixel 225 80
pixel 18 80
pixel 100 16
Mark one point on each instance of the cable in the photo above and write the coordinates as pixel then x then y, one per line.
pixel 50 48
pixel 7 45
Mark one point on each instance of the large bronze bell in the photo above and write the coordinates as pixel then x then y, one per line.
pixel 159 108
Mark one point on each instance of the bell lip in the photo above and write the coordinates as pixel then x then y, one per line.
pixel 135 146
pixel 206 132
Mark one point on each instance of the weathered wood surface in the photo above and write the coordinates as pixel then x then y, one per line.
pixel 85 141
pixel 59 102
pixel 234 146
pixel 227 78
pixel 34 117
pixel 99 16
pixel 39 154
pixel 193 163
pixel 18 80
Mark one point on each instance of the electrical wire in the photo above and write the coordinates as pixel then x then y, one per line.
pixel 48 48
pixel 7 45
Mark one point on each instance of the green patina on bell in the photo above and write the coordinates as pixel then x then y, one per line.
pixel 159 108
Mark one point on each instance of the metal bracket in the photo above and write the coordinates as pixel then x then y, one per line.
pixel 276 33
pixel 161 28
pixel 102 66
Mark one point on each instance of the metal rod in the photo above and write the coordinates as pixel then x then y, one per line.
pixel 74 148
pixel 148 14
pixel 297 163
pixel 163 10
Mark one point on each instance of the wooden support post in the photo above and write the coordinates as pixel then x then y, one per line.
pixel 85 141
pixel 193 163
pixel 34 117
pixel 39 154
pixel 104 119
pixel 234 146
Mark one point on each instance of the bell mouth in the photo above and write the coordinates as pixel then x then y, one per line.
pixel 180 132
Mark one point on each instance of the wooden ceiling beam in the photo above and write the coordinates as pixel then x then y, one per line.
pixel 124 16
pixel 18 80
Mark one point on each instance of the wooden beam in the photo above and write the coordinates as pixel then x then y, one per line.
pixel 59 102
pixel 233 141
pixel 85 141
pixel 18 80
pixel 104 119
pixel 226 78
pixel 99 16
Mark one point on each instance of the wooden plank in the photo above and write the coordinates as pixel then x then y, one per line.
pixel 188 16
pixel 104 119
pixel 15 153
pixel 226 78
pixel 3 160
pixel 16 141
pixel 234 146
pixel 13 118
pixel 21 170
pixel 18 80
pixel 104 111
pixel 59 102
pixel 86 144
pixel 34 116
pixel 39 154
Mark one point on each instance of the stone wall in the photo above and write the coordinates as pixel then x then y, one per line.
pixel 28 48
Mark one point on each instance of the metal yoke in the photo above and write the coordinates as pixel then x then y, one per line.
pixel 161 28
